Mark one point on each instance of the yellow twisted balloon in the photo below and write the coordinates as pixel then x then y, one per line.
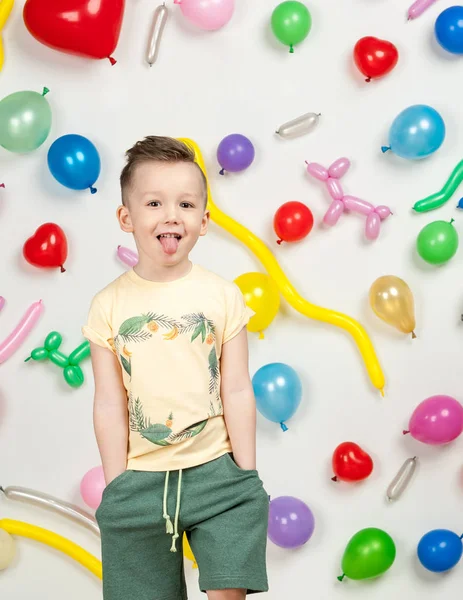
pixel 54 541
pixel 5 9
pixel 288 291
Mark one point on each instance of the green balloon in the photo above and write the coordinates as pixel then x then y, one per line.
pixel 437 242
pixel 59 359
pixel 369 553
pixel 53 341
pixel 291 23
pixel 81 352
pixel 39 354
pixel 73 376
pixel 25 121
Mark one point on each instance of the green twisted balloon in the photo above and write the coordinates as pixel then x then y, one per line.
pixel 72 372
pixel 441 197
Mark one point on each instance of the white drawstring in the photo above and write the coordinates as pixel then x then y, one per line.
pixel 177 512
pixel 169 527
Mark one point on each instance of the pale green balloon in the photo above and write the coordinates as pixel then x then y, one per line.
pixel 25 121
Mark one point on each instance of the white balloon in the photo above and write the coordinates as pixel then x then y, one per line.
pixel 159 21
pixel 300 126
pixel 7 549
pixel 402 479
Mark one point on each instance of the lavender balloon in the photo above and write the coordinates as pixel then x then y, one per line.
pixel 291 522
pixel 437 420
pixel 235 153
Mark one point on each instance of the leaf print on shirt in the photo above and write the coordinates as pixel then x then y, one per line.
pixel 161 435
pixel 133 329
pixel 137 419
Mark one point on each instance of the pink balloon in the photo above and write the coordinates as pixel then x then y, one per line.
pixel 334 188
pixel 21 331
pixel 339 168
pixel 127 256
pixel 333 213
pixel 358 205
pixel 383 211
pixel 372 226
pixel 317 171
pixel 437 420
pixel 2 302
pixel 207 14
pixel 92 487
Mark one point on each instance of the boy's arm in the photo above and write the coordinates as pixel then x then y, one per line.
pixel 238 400
pixel 110 412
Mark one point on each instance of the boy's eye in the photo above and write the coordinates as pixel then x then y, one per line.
pixel 186 205
pixel 154 203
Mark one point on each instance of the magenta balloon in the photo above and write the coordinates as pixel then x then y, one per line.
pixel 291 522
pixel 437 420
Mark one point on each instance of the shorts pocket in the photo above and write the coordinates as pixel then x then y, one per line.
pixel 111 487
pixel 239 469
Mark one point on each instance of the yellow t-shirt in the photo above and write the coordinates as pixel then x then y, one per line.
pixel 168 337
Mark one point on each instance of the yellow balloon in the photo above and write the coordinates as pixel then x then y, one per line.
pixel 262 296
pixel 270 263
pixel 392 301
pixel 5 9
pixel 7 549
pixel 54 541
pixel 188 552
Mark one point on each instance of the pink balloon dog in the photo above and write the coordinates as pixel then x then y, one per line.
pixel 342 203
pixel 437 420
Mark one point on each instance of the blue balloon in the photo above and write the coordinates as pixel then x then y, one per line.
pixel 440 550
pixel 449 29
pixel 278 392
pixel 74 161
pixel 416 132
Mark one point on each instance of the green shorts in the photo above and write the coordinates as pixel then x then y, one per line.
pixel 223 510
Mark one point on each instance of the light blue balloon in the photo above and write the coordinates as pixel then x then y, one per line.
pixel 74 161
pixel 416 132
pixel 278 392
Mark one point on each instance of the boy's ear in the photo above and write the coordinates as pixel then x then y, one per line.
pixel 205 223
pixel 123 216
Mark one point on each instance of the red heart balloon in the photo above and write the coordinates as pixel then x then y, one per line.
pixel 375 57
pixel 84 27
pixel 351 463
pixel 48 247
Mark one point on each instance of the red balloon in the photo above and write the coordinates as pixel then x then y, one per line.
pixel 82 27
pixel 351 463
pixel 293 221
pixel 48 247
pixel 375 57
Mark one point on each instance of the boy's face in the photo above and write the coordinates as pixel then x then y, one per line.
pixel 165 211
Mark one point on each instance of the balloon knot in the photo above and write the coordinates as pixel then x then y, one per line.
pixel 222 172
pixel 2 185
pixel 413 335
pixel 452 221
pixel 93 190
pixel 27 359
pixel 341 577
pixel 45 91
pixel 291 49
pixel 460 203
pixel 63 270
pixel 177 1
pixel 385 149
pixel 283 426
pixel 405 432
pixel 461 536
pixel 368 79
pixel 279 242
pixel 334 478
pixel 112 60
pixel 261 335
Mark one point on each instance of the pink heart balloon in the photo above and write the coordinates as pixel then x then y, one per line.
pixel 437 420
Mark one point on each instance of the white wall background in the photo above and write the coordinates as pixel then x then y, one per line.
pixel 204 87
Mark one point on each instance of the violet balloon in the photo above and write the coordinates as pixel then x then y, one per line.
pixel 291 522
pixel 437 420
pixel 235 153
pixel 341 203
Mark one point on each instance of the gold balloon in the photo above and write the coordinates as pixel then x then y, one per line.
pixel 392 301
pixel 262 296
pixel 7 549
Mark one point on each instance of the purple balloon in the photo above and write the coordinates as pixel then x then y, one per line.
pixel 235 153
pixel 291 522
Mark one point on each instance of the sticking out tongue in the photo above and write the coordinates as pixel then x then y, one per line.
pixel 169 244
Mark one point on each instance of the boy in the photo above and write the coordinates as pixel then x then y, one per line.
pixel 174 400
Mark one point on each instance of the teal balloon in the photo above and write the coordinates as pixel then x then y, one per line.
pixel 369 553
pixel 25 121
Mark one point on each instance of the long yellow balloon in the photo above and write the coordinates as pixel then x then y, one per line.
pixel 54 541
pixel 288 291
pixel 5 9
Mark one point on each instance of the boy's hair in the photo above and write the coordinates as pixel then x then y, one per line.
pixel 156 148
